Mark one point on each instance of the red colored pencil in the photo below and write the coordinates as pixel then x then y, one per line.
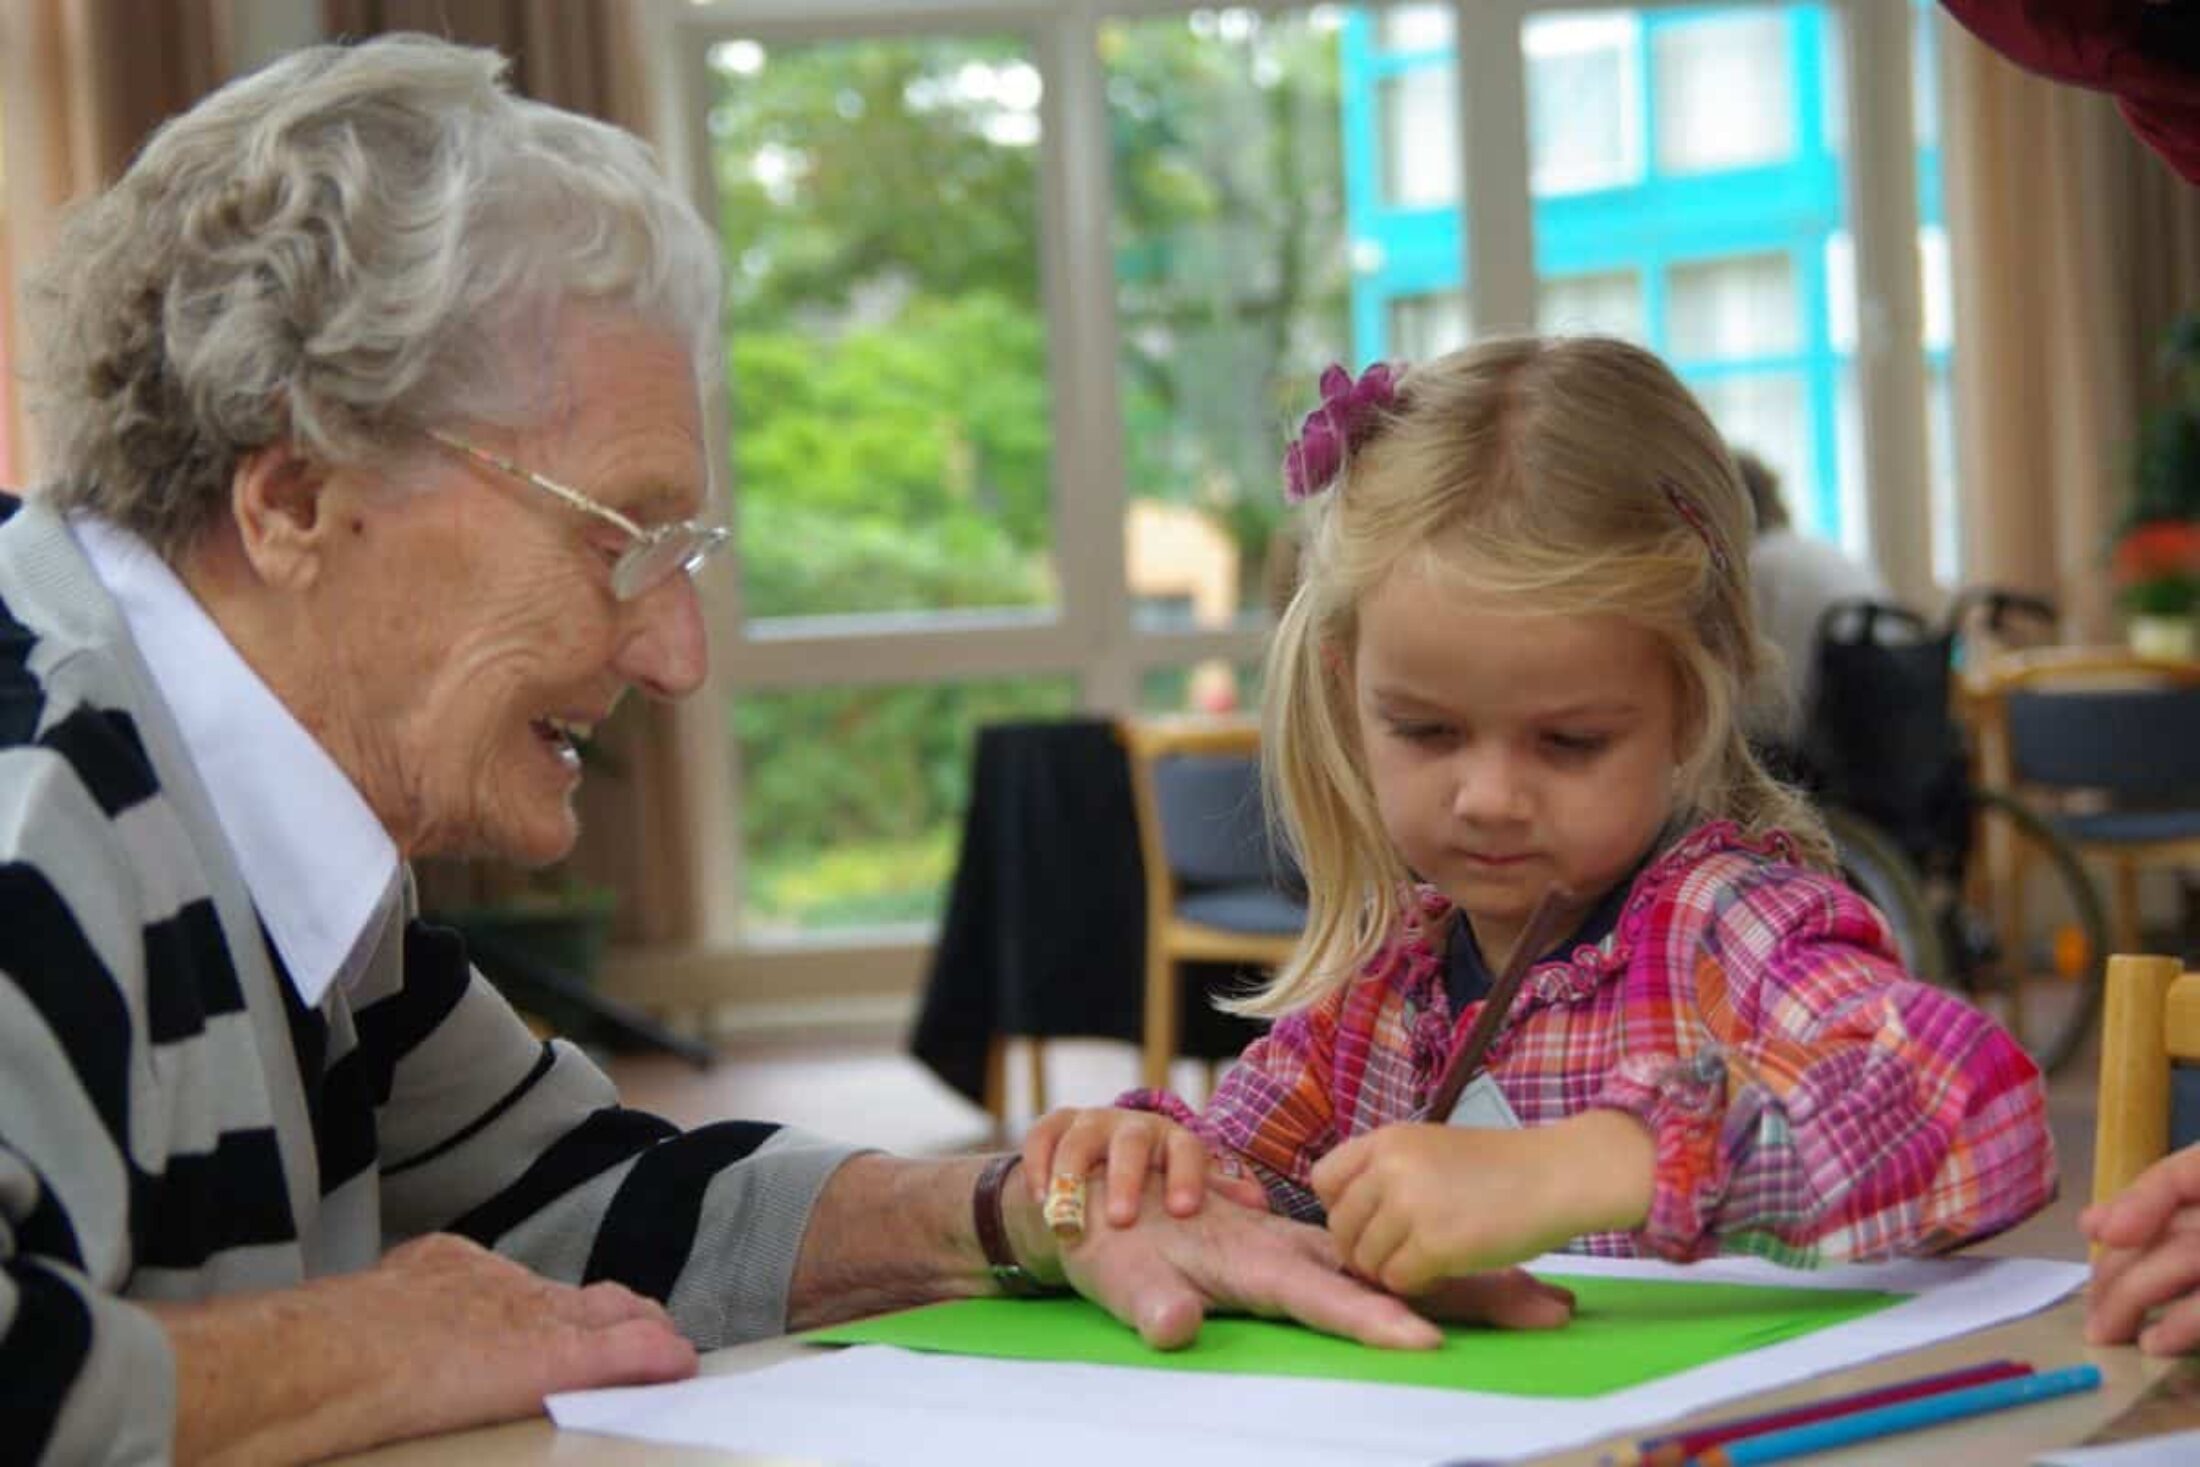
pixel 1673 1450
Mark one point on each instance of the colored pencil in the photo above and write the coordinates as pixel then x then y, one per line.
pixel 1536 935
pixel 1860 1426
pixel 1677 1447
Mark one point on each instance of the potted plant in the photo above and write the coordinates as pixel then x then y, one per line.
pixel 2158 582
pixel 2156 556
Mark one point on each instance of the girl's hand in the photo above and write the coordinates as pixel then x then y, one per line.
pixel 2146 1260
pixel 1071 1143
pixel 1413 1205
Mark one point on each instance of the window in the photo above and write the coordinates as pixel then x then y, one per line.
pixel 1740 307
pixel 1416 28
pixel 1024 301
pixel 1423 326
pixel 1607 303
pixel 879 207
pixel 1421 137
pixel 1584 102
pixel 852 797
pixel 1725 91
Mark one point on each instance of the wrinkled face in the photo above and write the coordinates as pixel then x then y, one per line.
pixel 470 616
pixel 1509 753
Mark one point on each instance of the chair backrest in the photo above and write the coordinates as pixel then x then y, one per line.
pixel 1201 816
pixel 1213 826
pixel 2133 743
pixel 2092 719
pixel 2150 1069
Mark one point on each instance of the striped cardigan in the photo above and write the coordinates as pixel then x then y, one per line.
pixel 176 1124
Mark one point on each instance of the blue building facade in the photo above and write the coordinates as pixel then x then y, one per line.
pixel 1688 181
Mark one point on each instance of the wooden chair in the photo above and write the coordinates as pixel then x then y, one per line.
pixel 2111 741
pixel 2150 1069
pixel 1212 891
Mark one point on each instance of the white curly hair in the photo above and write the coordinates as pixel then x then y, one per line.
pixel 355 241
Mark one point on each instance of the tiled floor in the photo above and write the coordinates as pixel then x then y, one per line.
pixel 871 1092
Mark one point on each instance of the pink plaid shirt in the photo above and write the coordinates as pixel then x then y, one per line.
pixel 1810 1102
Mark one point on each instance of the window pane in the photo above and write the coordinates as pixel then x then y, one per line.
pixel 1766 414
pixel 852 798
pixel 1416 28
pixel 1940 427
pixel 1725 91
pixel 1925 74
pixel 1608 303
pixel 1421 137
pixel 1232 287
pixel 890 400
pixel 1740 307
pixel 1936 288
pixel 1852 517
pixel 1584 102
pixel 1424 326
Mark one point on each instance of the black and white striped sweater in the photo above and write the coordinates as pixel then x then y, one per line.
pixel 176 1124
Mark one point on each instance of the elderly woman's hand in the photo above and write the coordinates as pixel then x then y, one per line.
pixel 1163 1275
pixel 441 1335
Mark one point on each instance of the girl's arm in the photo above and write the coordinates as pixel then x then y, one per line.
pixel 1836 1109
pixel 1273 1109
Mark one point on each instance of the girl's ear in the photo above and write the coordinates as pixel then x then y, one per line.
pixel 1335 661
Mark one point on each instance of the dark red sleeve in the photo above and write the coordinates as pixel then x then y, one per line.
pixel 2146 55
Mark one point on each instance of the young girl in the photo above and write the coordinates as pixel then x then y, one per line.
pixel 1515 664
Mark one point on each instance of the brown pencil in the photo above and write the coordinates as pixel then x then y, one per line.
pixel 1540 931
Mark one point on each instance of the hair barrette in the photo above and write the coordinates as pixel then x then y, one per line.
pixel 1687 510
pixel 1350 411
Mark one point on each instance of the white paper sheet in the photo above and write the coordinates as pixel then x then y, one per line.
pixel 884 1407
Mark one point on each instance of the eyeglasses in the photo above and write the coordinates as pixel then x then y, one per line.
pixel 654 557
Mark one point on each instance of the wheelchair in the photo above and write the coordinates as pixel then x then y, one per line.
pixel 1886 757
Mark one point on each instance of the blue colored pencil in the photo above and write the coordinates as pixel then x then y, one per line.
pixel 1840 1431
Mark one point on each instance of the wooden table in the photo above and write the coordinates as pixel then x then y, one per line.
pixel 2047 1340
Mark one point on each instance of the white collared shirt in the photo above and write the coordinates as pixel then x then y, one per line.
pixel 320 867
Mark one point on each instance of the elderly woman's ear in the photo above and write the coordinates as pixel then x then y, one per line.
pixel 284 507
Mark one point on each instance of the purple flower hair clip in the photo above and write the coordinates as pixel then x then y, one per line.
pixel 1350 412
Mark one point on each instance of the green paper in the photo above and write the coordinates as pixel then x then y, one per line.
pixel 1624 1332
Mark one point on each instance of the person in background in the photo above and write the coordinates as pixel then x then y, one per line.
pixel 375 475
pixel 1795 577
pixel 1511 674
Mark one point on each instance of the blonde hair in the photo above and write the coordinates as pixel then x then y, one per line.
pixel 1574 475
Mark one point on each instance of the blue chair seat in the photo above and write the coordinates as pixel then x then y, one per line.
pixel 1256 909
pixel 2184 1105
pixel 2131 827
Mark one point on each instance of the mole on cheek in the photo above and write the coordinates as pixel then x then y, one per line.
pixel 358 526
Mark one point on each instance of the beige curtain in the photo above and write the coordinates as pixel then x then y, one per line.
pixel 2072 248
pixel 650 810
pixel 82 82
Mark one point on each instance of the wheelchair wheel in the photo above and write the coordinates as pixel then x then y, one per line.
pixel 2034 953
pixel 1883 876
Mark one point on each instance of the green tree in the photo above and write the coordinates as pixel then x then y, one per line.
pixel 1230 251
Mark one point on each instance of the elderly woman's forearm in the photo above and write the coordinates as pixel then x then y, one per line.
pixel 888 1232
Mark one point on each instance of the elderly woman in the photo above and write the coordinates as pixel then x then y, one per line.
pixel 376 472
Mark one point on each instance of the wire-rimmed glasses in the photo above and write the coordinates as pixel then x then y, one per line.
pixel 655 556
